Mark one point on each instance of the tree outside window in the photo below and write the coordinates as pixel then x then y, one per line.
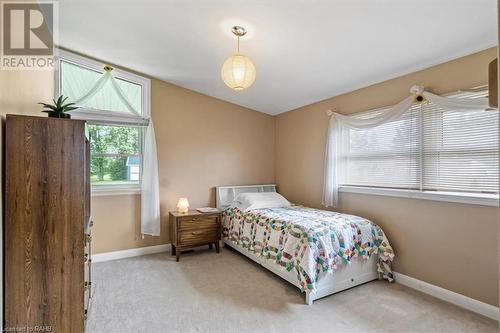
pixel 115 154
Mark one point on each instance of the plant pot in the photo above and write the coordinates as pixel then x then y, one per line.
pixel 60 115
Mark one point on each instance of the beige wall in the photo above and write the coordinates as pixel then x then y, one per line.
pixel 453 246
pixel 202 142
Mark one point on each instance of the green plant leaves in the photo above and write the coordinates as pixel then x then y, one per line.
pixel 48 106
pixel 59 106
pixel 66 109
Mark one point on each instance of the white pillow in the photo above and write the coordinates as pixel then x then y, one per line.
pixel 259 200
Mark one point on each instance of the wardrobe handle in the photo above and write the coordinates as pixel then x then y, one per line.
pixel 87 285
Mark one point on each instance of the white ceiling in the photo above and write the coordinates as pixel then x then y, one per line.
pixel 305 51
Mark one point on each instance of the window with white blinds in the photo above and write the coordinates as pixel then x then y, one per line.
pixel 460 149
pixel 428 149
pixel 384 156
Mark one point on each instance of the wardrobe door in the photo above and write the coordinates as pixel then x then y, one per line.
pixel 44 223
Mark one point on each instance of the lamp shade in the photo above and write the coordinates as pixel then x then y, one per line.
pixel 238 72
pixel 183 205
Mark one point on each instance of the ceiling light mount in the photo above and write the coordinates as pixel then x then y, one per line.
pixel 238 31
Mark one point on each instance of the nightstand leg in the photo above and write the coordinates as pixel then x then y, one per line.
pixel 217 247
pixel 210 246
pixel 177 255
pixel 172 251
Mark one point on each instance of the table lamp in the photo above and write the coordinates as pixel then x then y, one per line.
pixel 183 205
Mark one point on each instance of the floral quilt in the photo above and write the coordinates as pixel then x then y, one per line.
pixel 309 241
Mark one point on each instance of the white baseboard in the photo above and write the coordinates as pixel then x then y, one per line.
pixel 460 300
pixel 140 251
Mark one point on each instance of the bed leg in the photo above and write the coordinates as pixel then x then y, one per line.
pixel 309 297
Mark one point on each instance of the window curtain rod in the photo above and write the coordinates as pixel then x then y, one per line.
pixel 482 103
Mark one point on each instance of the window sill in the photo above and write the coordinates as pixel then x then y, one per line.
pixel 465 198
pixel 103 190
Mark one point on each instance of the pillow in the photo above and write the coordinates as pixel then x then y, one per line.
pixel 259 200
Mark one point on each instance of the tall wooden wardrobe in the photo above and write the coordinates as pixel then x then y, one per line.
pixel 46 224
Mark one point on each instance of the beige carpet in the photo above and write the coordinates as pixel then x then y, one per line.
pixel 206 292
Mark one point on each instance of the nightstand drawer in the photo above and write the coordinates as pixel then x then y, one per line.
pixel 204 222
pixel 198 236
pixel 193 229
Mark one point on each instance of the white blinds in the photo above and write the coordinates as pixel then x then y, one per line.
pixel 460 148
pixel 384 156
pixel 429 148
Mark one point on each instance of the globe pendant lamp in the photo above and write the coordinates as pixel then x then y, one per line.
pixel 238 71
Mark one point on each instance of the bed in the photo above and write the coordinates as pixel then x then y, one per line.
pixel 320 252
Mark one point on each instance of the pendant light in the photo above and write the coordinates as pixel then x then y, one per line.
pixel 238 71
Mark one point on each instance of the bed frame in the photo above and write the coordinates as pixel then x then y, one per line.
pixel 347 276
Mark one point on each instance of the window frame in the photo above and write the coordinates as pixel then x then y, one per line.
pixel 106 117
pixel 485 199
pixel 119 189
pixel 346 139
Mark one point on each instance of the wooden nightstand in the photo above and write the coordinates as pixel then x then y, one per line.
pixel 194 229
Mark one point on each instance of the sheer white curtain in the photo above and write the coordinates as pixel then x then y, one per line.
pixel 339 123
pixel 150 192
pixel 150 197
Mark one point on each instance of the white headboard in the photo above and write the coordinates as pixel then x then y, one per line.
pixel 226 194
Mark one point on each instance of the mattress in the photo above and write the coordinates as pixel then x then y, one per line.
pixel 307 241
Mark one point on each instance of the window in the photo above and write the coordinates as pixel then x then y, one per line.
pixel 384 156
pixel 460 149
pixel 115 154
pixel 115 123
pixel 428 150
pixel 77 80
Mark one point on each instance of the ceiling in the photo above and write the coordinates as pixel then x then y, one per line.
pixel 304 50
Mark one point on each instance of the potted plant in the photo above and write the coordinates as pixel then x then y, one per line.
pixel 59 109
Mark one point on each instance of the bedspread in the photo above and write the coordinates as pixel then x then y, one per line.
pixel 309 241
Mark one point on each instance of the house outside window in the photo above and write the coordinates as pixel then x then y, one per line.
pixel 133 168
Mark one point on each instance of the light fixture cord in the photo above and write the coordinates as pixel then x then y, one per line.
pixel 238 44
